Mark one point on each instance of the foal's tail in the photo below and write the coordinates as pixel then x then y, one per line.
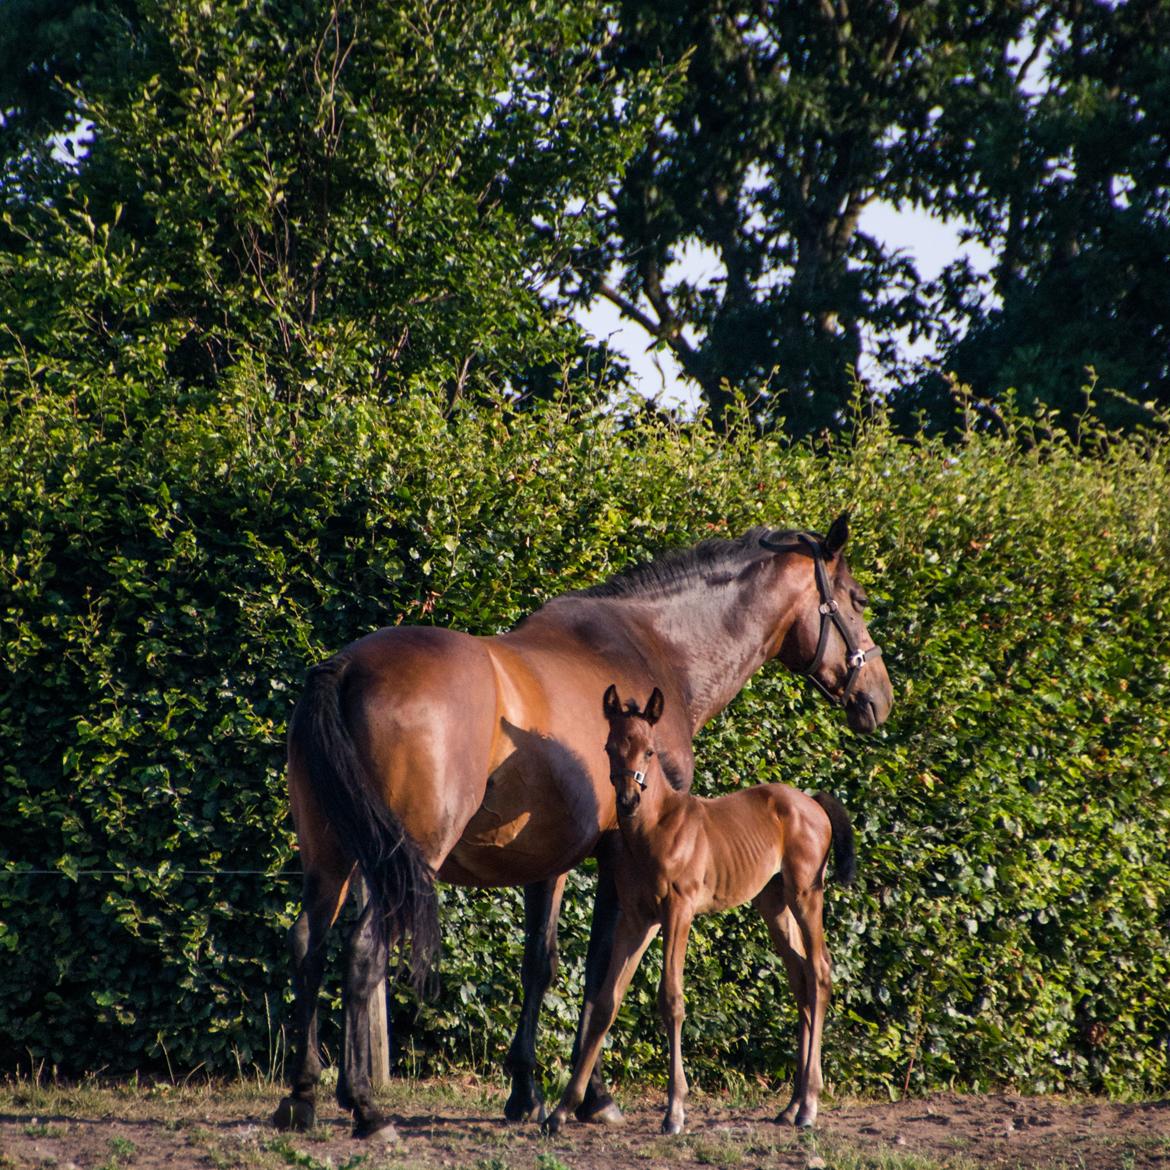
pixel 401 884
pixel 844 855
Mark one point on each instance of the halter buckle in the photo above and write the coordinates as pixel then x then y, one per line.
pixel 830 607
pixel 858 659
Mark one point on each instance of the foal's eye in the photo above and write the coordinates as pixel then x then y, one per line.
pixel 649 752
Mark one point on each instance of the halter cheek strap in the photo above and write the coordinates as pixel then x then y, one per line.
pixel 830 611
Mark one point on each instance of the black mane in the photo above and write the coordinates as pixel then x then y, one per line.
pixel 675 570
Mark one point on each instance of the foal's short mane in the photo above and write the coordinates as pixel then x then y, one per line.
pixel 674 571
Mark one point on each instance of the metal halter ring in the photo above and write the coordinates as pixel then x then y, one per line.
pixel 639 777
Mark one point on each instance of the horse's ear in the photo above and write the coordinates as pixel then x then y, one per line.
pixel 838 535
pixel 654 706
pixel 611 703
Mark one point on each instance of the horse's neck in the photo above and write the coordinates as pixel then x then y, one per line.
pixel 718 639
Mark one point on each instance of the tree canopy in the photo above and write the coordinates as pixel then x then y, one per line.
pixel 1071 192
pixel 1038 126
pixel 354 198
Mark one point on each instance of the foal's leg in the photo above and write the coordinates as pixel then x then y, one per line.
pixel 671 1006
pixel 598 1105
pixel 630 943
pixel 542 907
pixel 322 897
pixel 788 943
pixel 366 970
pixel 807 908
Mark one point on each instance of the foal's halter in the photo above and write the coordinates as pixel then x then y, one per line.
pixel 639 778
pixel 830 611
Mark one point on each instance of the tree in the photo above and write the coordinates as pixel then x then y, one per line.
pixel 1071 190
pixel 341 196
pixel 794 118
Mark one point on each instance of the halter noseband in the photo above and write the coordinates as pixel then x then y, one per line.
pixel 830 611
pixel 638 777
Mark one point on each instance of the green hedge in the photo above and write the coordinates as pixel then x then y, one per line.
pixel 170 569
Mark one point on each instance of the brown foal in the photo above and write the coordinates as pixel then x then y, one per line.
pixel 684 856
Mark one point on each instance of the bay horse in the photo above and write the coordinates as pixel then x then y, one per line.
pixel 419 752
pixel 683 856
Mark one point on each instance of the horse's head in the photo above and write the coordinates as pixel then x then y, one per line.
pixel 828 639
pixel 630 746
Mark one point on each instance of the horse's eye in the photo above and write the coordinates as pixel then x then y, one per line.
pixel 649 752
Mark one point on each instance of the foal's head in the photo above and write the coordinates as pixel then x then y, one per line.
pixel 630 746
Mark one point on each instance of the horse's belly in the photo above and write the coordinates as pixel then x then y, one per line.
pixel 540 816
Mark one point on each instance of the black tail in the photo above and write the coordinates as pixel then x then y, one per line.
pixel 401 884
pixel 844 856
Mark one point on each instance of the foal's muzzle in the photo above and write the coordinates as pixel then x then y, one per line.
pixel 627 803
pixel 628 799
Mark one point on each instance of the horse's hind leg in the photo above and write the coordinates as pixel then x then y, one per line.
pixel 323 895
pixel 365 971
pixel 542 908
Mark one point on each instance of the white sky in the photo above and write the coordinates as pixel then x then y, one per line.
pixel 931 242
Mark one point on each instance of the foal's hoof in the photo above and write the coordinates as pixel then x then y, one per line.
pixel 375 1128
pixel 554 1122
pixel 603 1111
pixel 671 1127
pixel 295 1113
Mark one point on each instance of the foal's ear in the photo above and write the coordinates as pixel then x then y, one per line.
pixel 654 706
pixel 611 703
pixel 838 535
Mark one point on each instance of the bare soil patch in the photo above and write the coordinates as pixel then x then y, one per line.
pixel 457 1123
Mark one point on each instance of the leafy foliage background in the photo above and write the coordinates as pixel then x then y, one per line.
pixel 170 566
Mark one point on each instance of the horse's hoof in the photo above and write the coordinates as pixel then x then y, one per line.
pixel 517 1112
pixel 787 1116
pixel 671 1127
pixel 295 1113
pixel 375 1128
pixel 603 1111
pixel 554 1122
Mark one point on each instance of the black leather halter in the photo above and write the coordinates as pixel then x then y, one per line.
pixel 855 657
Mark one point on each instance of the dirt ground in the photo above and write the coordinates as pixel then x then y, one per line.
pixel 456 1124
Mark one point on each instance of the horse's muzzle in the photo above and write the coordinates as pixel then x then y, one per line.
pixel 866 711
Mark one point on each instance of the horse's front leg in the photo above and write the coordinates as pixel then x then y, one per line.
pixel 542 908
pixel 597 1104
